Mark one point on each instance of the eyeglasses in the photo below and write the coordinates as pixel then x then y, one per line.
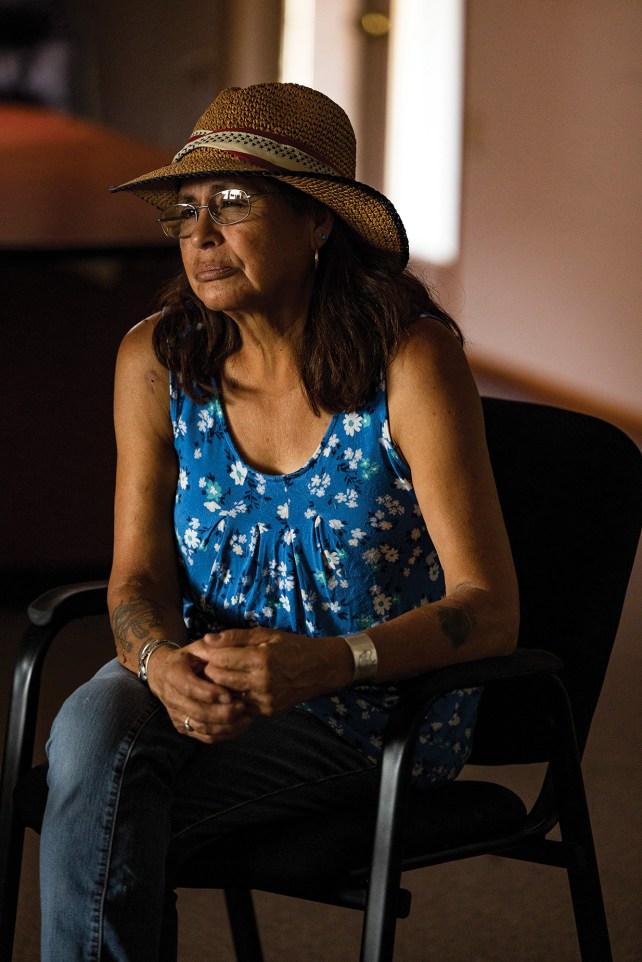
pixel 227 207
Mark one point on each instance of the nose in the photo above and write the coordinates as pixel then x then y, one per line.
pixel 206 230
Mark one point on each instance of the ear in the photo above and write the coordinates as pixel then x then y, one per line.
pixel 322 227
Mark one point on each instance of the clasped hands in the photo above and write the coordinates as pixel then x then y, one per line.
pixel 220 682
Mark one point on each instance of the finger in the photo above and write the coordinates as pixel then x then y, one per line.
pixel 235 722
pixel 187 683
pixel 237 637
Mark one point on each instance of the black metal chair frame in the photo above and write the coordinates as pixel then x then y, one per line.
pixel 544 697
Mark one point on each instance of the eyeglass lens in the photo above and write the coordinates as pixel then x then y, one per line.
pixel 225 207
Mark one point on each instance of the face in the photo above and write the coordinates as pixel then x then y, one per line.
pixel 262 267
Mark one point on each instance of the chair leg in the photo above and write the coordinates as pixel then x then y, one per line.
pixel 577 836
pixel 245 933
pixel 10 867
pixel 588 906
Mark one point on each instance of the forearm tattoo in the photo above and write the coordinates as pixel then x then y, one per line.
pixel 133 621
pixel 456 623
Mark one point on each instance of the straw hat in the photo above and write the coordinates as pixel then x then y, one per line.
pixel 287 131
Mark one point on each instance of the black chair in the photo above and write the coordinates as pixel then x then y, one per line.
pixel 570 489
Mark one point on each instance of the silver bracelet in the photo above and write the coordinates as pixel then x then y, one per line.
pixel 146 651
pixel 365 657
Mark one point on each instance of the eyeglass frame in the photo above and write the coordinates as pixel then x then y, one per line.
pixel 198 207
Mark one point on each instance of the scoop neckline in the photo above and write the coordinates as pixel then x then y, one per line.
pixel 266 476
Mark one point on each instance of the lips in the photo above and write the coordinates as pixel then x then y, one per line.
pixel 213 272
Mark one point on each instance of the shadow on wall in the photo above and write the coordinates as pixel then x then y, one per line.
pixel 64 316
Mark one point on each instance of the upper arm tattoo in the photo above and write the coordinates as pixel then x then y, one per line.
pixel 456 623
pixel 133 620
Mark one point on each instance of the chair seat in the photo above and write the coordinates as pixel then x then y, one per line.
pixel 307 856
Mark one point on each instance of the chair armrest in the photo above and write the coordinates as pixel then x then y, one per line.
pixel 521 663
pixel 49 614
pixel 416 697
pixel 68 602
pixel 418 694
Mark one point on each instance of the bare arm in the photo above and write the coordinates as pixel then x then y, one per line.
pixel 144 594
pixel 437 424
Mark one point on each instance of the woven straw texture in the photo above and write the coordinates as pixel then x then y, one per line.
pixel 287 131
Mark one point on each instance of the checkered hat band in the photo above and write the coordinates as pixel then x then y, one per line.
pixel 263 150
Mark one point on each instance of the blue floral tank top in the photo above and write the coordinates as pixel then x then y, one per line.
pixel 336 547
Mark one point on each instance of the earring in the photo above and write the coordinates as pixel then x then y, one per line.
pixel 316 258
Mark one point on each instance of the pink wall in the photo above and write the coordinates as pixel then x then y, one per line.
pixel 550 277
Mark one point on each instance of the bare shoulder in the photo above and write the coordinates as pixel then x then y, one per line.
pixel 142 383
pixel 137 349
pixel 430 380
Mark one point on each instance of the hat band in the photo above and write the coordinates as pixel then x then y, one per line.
pixel 263 151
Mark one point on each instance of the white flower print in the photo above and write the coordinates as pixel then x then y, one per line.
pixel 333 440
pixel 403 485
pixel 319 484
pixel 283 510
pixel 183 480
pixel 332 559
pixel 191 539
pixel 333 606
pixel 202 482
pixel 198 453
pixel 353 457
pixel 390 554
pixel 289 536
pixel 352 423
pixel 349 497
pixel 238 472
pixel 240 507
pixel 205 421
pixel 381 603
pixel 180 428
pixel 391 504
pixel 371 556
pixel 336 524
pixel 340 707
pixel 380 521
pixel 357 536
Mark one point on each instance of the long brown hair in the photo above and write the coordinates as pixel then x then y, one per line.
pixel 361 305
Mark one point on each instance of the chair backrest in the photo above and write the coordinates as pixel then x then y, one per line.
pixel 570 486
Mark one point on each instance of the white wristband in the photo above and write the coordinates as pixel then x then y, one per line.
pixel 365 657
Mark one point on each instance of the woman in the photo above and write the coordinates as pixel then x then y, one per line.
pixel 305 514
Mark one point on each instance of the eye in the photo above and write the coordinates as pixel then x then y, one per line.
pixel 231 198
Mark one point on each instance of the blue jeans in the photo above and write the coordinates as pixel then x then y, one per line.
pixel 130 798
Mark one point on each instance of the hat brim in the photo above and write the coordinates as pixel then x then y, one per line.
pixel 363 208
